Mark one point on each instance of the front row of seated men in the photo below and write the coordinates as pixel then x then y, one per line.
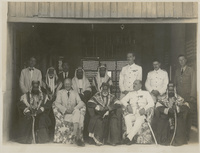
pixel 105 115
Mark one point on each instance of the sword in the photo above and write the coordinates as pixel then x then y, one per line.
pixel 151 130
pixel 175 118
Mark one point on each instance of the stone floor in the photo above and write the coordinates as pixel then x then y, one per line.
pixel 191 147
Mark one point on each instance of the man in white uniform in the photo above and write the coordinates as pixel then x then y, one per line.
pixel 138 101
pixel 129 74
pixel 157 81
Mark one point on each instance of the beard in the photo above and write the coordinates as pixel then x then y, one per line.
pixel 171 94
pixel 35 92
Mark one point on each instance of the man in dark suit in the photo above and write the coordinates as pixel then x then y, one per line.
pixel 63 75
pixel 185 85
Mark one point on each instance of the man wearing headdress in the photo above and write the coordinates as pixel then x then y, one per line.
pixel 28 75
pixel 105 118
pixel 82 86
pixel 50 85
pixel 101 77
pixel 69 113
pixel 165 124
pixel 129 74
pixel 34 122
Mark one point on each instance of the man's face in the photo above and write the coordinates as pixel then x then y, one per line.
pixel 51 73
pixel 102 71
pixel 137 85
pixel 79 74
pixel 182 61
pixel 130 58
pixel 171 90
pixel 105 91
pixel 65 67
pixel 156 65
pixel 68 84
pixel 35 88
pixel 32 62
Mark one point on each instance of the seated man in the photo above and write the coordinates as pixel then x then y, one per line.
pixel 69 113
pixel 101 77
pixel 138 102
pixel 49 87
pixel 105 118
pixel 82 86
pixel 34 107
pixel 170 118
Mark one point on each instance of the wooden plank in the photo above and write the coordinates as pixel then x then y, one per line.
pixel 195 9
pixel 52 9
pixel 65 9
pixel 169 10
pixel 106 9
pixel 91 9
pixel 137 9
pixel 144 9
pixel 122 9
pixel 71 9
pixel 102 21
pixel 18 9
pixel 187 9
pixel 58 9
pixel 12 8
pixel 29 9
pixel 151 9
pixel 44 9
pixel 23 9
pixel 35 9
pixel 98 9
pixel 113 7
pixel 85 9
pixel 130 9
pixel 178 11
pixel 78 9
pixel 160 9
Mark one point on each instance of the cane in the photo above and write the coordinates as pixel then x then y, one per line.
pixel 175 126
pixel 151 130
pixel 33 129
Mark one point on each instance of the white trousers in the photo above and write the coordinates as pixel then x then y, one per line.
pixel 131 128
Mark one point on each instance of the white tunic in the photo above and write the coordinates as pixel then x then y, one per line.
pixel 128 75
pixel 157 80
pixel 138 100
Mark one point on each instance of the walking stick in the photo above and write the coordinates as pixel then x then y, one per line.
pixel 33 129
pixel 175 126
pixel 151 130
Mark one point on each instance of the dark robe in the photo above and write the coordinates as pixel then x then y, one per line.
pixel 42 122
pixel 107 130
pixel 164 125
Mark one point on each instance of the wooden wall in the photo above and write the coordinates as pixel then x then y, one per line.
pixel 103 9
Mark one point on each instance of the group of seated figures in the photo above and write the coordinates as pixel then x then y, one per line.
pixel 65 109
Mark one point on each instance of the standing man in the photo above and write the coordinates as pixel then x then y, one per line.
pixel 185 85
pixel 100 78
pixel 129 74
pixel 63 75
pixel 157 81
pixel 28 75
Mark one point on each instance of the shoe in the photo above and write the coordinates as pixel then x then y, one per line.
pixel 127 141
pixel 79 142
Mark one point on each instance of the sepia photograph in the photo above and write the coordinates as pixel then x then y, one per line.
pixel 99 76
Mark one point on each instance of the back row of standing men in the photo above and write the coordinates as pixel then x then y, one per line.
pixel 156 83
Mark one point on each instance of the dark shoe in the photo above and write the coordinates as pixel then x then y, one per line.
pixel 79 142
pixel 127 141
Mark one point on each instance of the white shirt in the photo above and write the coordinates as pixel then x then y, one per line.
pixel 157 80
pixel 65 74
pixel 138 100
pixel 128 75
pixel 31 73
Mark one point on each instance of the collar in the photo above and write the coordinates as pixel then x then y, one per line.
pixel 29 68
pixel 138 91
pixel 131 65
pixel 183 68
pixel 157 70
